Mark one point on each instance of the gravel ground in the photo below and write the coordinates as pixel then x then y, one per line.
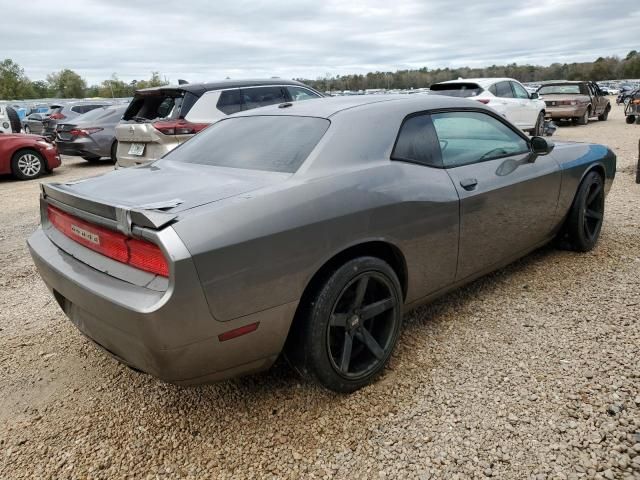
pixel 531 372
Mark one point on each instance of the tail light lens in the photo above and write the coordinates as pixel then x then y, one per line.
pixel 84 132
pixel 136 253
pixel 179 127
pixel 57 116
pixel 483 100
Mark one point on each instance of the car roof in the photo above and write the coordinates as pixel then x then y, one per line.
pixel 200 88
pixel 328 107
pixel 481 81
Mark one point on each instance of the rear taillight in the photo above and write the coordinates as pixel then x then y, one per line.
pixel 57 116
pixel 179 127
pixel 84 132
pixel 483 100
pixel 137 253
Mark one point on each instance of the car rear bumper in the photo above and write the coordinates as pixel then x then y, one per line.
pixel 80 148
pixel 152 152
pixel 170 335
pixel 565 112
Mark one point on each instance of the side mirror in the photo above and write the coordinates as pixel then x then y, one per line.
pixel 541 146
pixel 534 96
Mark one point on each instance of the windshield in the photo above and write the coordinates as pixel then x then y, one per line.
pixel 462 89
pixel 270 143
pixel 570 89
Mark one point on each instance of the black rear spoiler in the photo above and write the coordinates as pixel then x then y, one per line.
pixel 123 218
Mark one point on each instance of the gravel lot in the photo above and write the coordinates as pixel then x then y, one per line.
pixel 531 372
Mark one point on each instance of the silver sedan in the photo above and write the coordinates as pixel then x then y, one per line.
pixel 308 228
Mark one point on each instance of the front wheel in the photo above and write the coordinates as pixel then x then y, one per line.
pixel 587 213
pixel 27 164
pixel 346 331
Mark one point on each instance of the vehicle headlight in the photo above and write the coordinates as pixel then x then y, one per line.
pixel 5 125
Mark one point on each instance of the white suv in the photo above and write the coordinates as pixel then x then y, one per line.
pixel 161 118
pixel 505 95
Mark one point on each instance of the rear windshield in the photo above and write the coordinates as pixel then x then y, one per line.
pixel 269 143
pixel 160 105
pixel 571 89
pixel 93 114
pixel 462 89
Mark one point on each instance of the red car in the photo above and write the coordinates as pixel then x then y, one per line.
pixel 27 156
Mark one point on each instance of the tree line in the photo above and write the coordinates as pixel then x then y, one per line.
pixel 604 68
pixel 15 85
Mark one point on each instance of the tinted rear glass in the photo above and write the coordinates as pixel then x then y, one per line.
pixel 461 89
pixel 160 105
pixel 270 143
pixel 568 89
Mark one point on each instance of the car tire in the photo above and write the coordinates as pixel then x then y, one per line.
pixel 27 164
pixel 584 119
pixel 603 117
pixel 27 130
pixel 538 130
pixel 346 330
pixel 114 151
pixel 14 120
pixel 584 222
pixel 91 159
pixel 630 119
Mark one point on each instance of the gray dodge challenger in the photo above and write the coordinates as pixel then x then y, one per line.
pixel 307 229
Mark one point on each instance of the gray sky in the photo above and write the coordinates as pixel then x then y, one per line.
pixel 202 40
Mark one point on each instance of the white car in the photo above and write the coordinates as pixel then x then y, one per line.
pixel 505 95
pixel 5 123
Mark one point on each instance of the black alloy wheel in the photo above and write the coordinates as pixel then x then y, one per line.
pixel 346 330
pixel 587 214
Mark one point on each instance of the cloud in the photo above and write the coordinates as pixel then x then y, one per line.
pixel 201 40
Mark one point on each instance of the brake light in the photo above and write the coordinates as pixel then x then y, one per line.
pixel 483 100
pixel 57 116
pixel 179 127
pixel 136 253
pixel 84 132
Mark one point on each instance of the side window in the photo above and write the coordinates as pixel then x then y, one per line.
pixel 493 89
pixel 262 96
pixel 503 89
pixel 417 142
pixel 229 102
pixel 78 109
pixel 88 108
pixel 471 137
pixel 298 93
pixel 519 90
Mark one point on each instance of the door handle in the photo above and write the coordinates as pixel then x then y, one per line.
pixel 469 183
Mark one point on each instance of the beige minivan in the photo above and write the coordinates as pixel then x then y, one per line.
pixel 161 118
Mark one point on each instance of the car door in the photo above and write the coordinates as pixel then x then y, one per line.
pixel 505 97
pixel 600 101
pixel 508 196
pixel 527 111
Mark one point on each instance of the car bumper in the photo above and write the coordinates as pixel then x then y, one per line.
pixel 84 147
pixel 152 152
pixel 51 156
pixel 170 335
pixel 565 112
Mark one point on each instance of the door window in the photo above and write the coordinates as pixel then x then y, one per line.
pixel 417 142
pixel 262 96
pixel 470 137
pixel 299 93
pixel 519 90
pixel 503 89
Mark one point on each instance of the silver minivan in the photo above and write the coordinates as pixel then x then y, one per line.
pixel 161 118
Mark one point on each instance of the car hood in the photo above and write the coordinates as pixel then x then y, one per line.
pixel 23 136
pixel 171 186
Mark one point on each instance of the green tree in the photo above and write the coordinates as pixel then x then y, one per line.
pixel 13 82
pixel 67 84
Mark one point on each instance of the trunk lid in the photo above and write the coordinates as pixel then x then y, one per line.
pixel 160 191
